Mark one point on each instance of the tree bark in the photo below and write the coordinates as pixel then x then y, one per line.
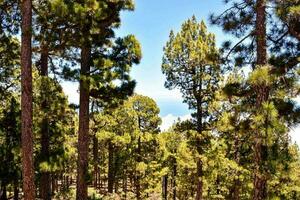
pixel 260 179
pixel 199 194
pixel 83 134
pixel 26 102
pixel 45 183
pixel 260 26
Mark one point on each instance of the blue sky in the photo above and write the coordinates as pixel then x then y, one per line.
pixel 151 23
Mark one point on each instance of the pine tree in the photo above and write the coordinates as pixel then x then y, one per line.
pixel 252 24
pixel 26 102
pixel 190 63
pixel 10 134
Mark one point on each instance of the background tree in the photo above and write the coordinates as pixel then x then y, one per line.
pixel 191 64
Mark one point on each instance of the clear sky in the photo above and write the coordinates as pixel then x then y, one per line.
pixel 151 23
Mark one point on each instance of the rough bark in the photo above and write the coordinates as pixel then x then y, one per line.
pixel 83 134
pixel 260 180
pixel 260 26
pixel 26 102
pixel 45 183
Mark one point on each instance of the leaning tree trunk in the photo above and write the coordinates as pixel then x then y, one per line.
pixel 45 183
pixel 83 133
pixel 26 102
pixel 260 179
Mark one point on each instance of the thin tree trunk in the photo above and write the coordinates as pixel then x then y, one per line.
pixel 139 159
pixel 165 187
pixel 26 102
pixel 95 154
pixel 4 193
pixel 137 181
pixel 83 134
pixel 199 194
pixel 45 183
pixel 260 179
pixel 16 189
pixel 235 191
pixel 111 170
pixel 174 179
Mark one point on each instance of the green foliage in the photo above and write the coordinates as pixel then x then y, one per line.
pixel 190 62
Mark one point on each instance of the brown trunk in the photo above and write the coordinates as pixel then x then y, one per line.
pixel 111 170
pixel 83 134
pixel 165 187
pixel 45 186
pixel 139 159
pixel 261 32
pixel 199 194
pixel 260 180
pixel 26 102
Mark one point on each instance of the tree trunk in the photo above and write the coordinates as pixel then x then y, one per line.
pixel 138 177
pixel 26 102
pixel 165 187
pixel 111 170
pixel 45 182
pixel 261 43
pixel 83 134
pixel 199 194
pixel 95 156
pixel 3 195
pixel 235 190
pixel 16 189
pixel 260 180
pixel 174 179
pixel 125 187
